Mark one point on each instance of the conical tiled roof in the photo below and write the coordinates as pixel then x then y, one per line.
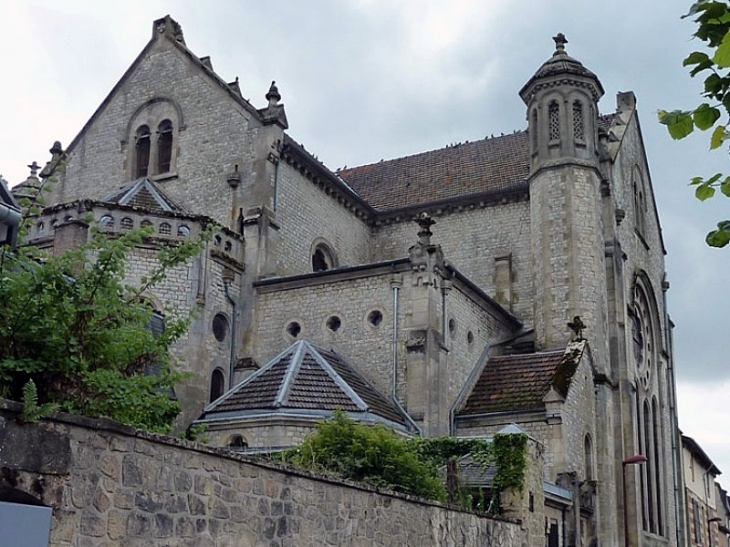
pixel 310 380
pixel 145 194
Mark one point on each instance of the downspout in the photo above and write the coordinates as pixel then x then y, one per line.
pixel 228 277
pixel 276 162
pixel 673 413
pixel 395 283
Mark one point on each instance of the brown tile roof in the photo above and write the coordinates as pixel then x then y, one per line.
pixel 513 383
pixel 142 193
pixel 304 377
pixel 481 167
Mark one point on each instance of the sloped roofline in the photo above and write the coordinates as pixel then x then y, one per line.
pixel 185 51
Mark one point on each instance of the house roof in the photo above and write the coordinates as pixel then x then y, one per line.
pixel 145 194
pixel 305 378
pixel 514 383
pixel 486 166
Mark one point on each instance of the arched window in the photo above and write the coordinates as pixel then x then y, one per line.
pixel 183 231
pixel 554 121
pixel 588 457
pixel 217 384
pixel 165 229
pixel 639 201
pixel 238 443
pixel 107 221
pixel 323 258
pixel 533 130
pixel 142 152
pixel 127 223
pixel 578 128
pixel 146 223
pixel 657 449
pixel 164 146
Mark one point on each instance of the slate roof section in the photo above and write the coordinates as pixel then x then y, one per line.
pixel 512 383
pixel 491 165
pixel 305 378
pixel 145 194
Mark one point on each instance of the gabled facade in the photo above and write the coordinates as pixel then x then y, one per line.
pixel 535 263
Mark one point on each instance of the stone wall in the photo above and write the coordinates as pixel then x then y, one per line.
pixel 109 484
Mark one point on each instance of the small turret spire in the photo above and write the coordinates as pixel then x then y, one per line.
pixel 273 95
pixel 560 41
pixel 34 169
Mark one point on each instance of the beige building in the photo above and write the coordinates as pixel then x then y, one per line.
pixel 529 290
pixel 706 513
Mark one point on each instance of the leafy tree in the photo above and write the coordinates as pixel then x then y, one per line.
pixel 713 29
pixel 74 336
pixel 372 454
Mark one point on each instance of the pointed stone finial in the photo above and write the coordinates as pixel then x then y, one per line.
pixel 560 41
pixel 577 327
pixel 273 95
pixel 425 222
pixel 34 169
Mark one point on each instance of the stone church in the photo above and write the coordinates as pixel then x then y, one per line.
pixel 513 280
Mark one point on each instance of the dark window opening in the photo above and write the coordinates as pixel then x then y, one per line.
pixel 220 327
pixel 334 323
pixel 165 229
pixel 237 443
pixel 127 223
pixel 217 383
pixel 142 144
pixel 294 329
pixel 164 146
pixel 375 317
pixel 554 121
pixel 319 262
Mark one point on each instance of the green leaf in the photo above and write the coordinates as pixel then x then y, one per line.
pixel 722 55
pixel 725 187
pixel 681 126
pixel 704 192
pixel 695 58
pixel 705 116
pixel 719 135
pixel 720 237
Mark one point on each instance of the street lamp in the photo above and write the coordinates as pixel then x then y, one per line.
pixel 631 460
pixel 709 526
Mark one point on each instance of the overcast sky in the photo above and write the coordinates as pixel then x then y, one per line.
pixel 364 80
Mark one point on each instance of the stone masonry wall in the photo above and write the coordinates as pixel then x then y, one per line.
pixel 213 134
pixel 471 240
pixel 109 484
pixel 308 216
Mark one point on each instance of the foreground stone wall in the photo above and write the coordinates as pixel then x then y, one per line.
pixel 109 484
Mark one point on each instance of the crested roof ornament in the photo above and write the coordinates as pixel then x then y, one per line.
pixel 560 41
pixel 273 96
pixel 34 167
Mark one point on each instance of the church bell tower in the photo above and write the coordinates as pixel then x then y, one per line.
pixel 565 200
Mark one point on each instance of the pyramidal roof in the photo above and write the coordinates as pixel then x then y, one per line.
pixel 306 380
pixel 145 194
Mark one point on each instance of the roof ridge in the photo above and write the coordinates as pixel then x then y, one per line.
pixel 339 171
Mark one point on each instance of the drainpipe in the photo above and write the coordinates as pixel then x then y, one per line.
pixel 396 282
pixel 228 277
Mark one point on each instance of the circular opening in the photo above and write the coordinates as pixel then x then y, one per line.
pixel 220 327
pixel 334 323
pixel 375 317
pixel 293 329
pixel 452 325
pixel 470 337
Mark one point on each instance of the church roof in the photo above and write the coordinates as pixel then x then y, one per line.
pixel 145 194
pixel 513 383
pixel 486 166
pixel 305 378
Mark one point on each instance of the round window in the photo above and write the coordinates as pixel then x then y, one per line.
pixel 375 317
pixel 334 323
pixel 293 329
pixel 220 327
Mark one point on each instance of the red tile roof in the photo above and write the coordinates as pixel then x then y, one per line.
pixel 513 383
pixel 481 167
